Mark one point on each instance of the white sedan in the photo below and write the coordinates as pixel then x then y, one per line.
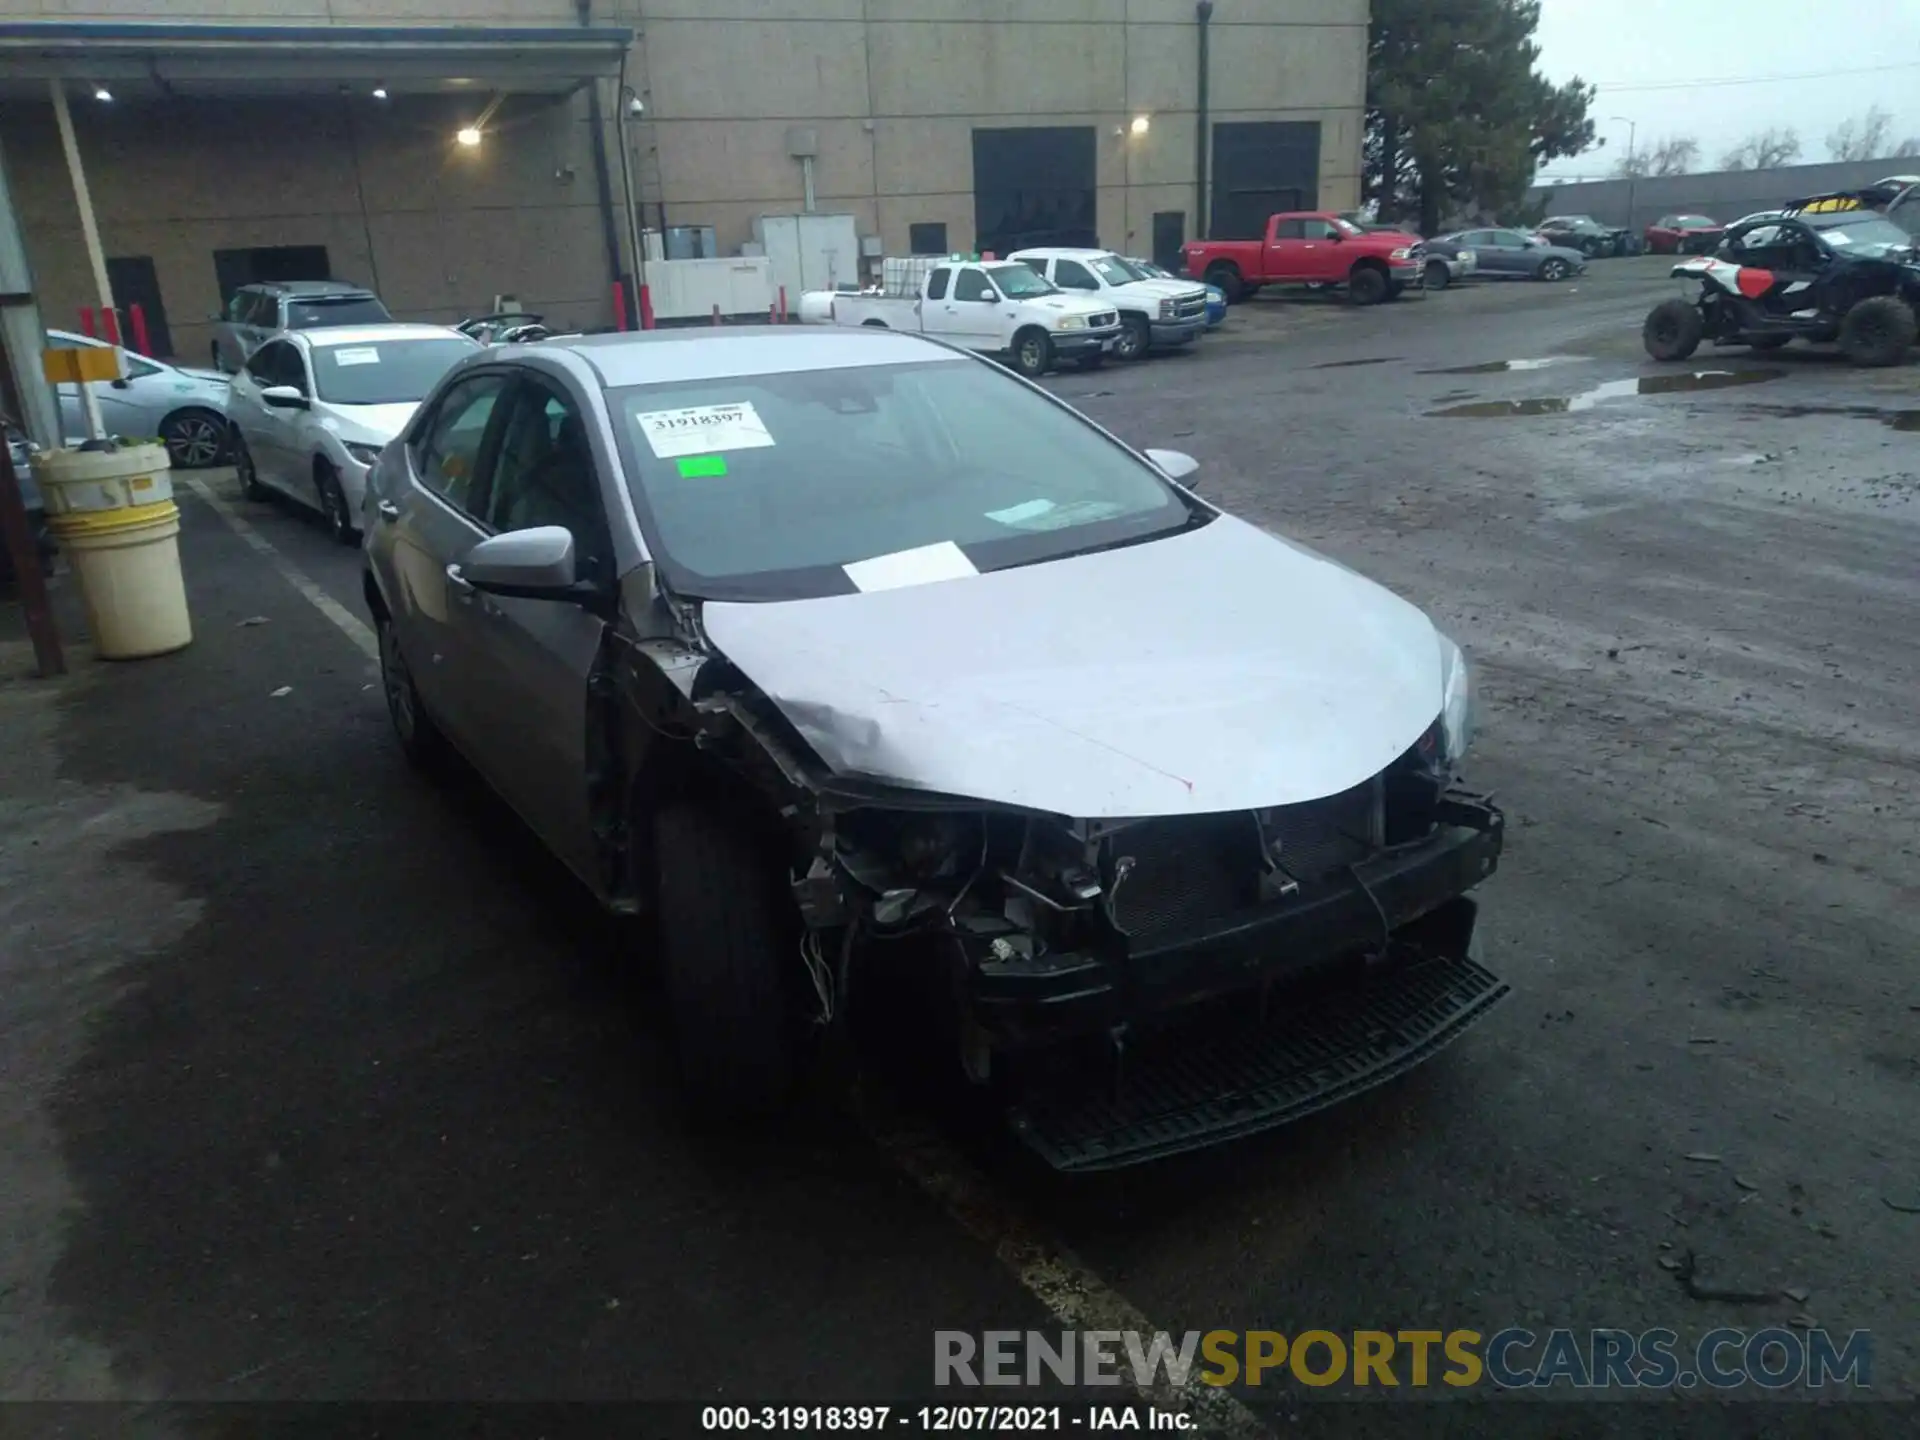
pixel 181 406
pixel 311 410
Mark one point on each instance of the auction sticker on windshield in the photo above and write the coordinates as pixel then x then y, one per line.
pixel 367 355
pixel 703 430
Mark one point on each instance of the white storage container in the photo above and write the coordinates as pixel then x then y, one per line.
pixel 810 252
pixel 689 289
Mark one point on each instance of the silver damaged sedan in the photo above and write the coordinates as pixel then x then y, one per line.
pixel 891 691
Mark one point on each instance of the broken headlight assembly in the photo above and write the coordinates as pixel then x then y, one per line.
pixel 1456 700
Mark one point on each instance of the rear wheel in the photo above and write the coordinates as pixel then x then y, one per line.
pixel 1136 338
pixel 1672 330
pixel 333 504
pixel 1225 278
pixel 725 938
pixel 1878 331
pixel 1438 277
pixel 1367 285
pixel 249 477
pixel 1032 353
pixel 194 439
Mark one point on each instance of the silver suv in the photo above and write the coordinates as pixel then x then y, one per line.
pixel 259 311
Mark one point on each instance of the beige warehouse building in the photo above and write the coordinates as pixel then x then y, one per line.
pixel 231 140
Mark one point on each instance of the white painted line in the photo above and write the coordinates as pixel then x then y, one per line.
pixel 1076 1296
pixel 349 624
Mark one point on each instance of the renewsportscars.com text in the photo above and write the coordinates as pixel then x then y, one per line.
pixel 1774 1358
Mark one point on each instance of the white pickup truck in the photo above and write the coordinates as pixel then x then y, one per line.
pixel 1002 306
pixel 1154 314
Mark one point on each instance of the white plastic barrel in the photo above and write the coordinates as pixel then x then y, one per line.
pixel 113 513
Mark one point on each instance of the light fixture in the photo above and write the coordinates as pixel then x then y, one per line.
pixel 379 92
pixel 468 135
pixel 1140 124
pixel 102 94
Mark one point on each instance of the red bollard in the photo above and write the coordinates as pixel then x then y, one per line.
pixel 783 304
pixel 110 324
pixel 137 320
pixel 619 306
pixel 86 321
pixel 646 308
pixel 773 315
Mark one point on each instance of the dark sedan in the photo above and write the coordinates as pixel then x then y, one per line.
pixel 1502 254
pixel 1588 236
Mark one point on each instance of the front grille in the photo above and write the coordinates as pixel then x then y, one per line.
pixel 1191 307
pixel 1185 872
pixel 1314 839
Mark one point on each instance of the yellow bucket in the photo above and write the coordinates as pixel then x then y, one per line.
pixel 128 563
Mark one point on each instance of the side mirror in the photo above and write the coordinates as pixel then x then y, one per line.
pixel 1174 464
pixel 284 397
pixel 1339 237
pixel 532 564
pixel 121 384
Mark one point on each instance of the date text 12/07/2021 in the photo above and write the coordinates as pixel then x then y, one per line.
pixel 942 1419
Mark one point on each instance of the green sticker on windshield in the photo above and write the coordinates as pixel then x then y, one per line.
pixel 700 467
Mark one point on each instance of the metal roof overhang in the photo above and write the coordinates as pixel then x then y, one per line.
pixel 157 62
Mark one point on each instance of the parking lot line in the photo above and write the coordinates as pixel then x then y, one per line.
pixel 1071 1291
pixel 349 624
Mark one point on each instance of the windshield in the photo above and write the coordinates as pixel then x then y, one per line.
pixel 348 310
pixel 1146 270
pixel 1016 282
pixel 1113 270
pixel 763 487
pixel 384 372
pixel 1861 233
pixel 1347 227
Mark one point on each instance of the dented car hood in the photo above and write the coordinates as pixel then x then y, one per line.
pixel 1218 669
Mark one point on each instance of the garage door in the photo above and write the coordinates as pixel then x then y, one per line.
pixel 1260 167
pixel 1033 186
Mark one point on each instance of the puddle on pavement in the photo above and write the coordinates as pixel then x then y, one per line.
pixel 1347 364
pixel 1501 367
pixel 1688 383
pixel 1893 419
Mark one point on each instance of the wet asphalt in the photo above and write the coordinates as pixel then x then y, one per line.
pixel 324 1085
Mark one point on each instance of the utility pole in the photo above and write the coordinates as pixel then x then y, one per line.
pixel 1633 130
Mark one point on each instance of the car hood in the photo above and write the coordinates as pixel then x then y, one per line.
pixel 1161 289
pixel 1072 304
pixel 1219 669
pixel 206 377
pixel 368 424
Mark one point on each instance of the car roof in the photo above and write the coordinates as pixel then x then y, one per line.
pixel 649 357
pixel 307 287
pixel 335 335
pixel 1059 252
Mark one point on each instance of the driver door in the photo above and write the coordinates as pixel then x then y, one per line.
pixel 522 664
pixel 976 311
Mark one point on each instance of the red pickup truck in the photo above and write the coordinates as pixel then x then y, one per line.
pixel 1310 247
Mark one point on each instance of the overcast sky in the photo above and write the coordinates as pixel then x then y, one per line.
pixel 1624 45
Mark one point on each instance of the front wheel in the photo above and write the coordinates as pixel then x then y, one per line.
pixel 1878 331
pixel 1673 330
pixel 249 477
pixel 725 940
pixel 333 504
pixel 420 739
pixel 1032 353
pixel 1136 338
pixel 1552 270
pixel 1367 286
pixel 1438 277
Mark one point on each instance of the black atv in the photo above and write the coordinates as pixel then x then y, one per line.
pixel 1841 267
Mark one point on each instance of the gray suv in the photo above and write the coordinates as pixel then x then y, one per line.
pixel 260 311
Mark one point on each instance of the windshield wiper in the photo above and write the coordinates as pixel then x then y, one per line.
pixel 1195 519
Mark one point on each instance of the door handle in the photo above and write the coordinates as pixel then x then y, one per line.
pixel 387 510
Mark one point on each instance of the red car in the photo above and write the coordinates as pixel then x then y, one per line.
pixel 1683 235
pixel 1310 247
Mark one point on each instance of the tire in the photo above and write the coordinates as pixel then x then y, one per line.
pixel 1032 353
pixel 1225 277
pixel 1878 331
pixel 1769 342
pixel 421 741
pixel 333 504
pixel 1437 276
pixel 1552 270
pixel 724 945
pixel 250 485
pixel 195 439
pixel 1673 330
pixel 1136 338
pixel 1366 285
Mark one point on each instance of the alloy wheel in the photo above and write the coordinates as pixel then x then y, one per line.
pixel 193 441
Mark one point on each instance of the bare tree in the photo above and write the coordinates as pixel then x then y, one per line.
pixel 1906 148
pixel 1763 150
pixel 1675 155
pixel 1865 137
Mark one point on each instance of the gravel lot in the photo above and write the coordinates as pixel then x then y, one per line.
pixel 319 1086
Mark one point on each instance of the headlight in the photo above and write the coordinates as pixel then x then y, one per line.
pixel 1166 310
pixel 1073 322
pixel 365 454
pixel 1468 256
pixel 1456 699
pixel 1403 253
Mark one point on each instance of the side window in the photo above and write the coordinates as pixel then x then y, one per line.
pixel 237 306
pixel 447 455
pixel 1320 229
pixel 269 365
pixel 1290 230
pixel 1072 275
pixel 1038 267
pixel 140 369
pixel 263 309
pixel 543 474
pixel 973 285
pixel 937 284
